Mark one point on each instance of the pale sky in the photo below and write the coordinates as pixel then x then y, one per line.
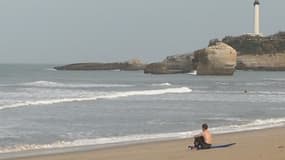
pixel 71 31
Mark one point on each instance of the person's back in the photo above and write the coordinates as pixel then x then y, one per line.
pixel 207 136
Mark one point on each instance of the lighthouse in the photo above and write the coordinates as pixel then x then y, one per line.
pixel 256 5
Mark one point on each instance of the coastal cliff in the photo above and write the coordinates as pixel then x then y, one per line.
pixel 264 62
pixel 259 53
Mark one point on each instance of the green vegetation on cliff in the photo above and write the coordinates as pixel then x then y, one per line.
pixel 248 44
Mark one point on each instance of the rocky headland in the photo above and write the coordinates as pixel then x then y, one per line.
pixel 221 57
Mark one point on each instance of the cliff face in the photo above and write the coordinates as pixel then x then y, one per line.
pixel 266 62
pixel 259 53
pixel 218 59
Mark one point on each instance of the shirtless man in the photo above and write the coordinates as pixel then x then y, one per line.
pixel 203 140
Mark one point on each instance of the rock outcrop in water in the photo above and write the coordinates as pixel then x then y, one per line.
pixel 171 65
pixel 218 59
pixel 131 65
pixel 259 53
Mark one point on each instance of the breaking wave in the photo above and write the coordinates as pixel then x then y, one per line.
pixel 63 85
pixel 110 95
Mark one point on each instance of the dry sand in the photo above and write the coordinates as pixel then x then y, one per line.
pixel 268 144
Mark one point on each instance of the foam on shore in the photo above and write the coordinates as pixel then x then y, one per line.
pixel 254 125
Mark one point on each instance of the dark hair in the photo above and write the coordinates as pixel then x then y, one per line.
pixel 205 126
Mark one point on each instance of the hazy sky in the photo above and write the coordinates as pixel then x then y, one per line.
pixel 68 31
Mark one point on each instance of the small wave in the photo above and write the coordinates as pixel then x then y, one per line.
pixel 42 84
pixel 51 69
pixel 249 92
pixel 106 96
pixel 222 83
pixel 225 119
pixel 267 92
pixel 254 125
pixel 62 85
pixel 162 84
pixel 275 79
pixel 254 84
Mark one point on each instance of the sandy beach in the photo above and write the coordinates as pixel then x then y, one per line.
pixel 258 145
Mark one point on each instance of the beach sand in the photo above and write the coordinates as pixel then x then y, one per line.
pixel 268 144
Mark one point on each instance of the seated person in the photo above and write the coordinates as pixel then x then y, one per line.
pixel 204 140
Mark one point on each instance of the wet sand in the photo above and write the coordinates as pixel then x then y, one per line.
pixel 268 144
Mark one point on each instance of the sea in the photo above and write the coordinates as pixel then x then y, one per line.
pixel 43 109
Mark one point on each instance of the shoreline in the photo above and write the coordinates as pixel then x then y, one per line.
pixel 258 139
pixel 107 142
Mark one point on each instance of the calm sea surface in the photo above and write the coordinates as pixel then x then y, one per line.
pixel 41 108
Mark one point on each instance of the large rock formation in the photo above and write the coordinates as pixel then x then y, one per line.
pixel 171 65
pixel 179 63
pixel 131 65
pixel 259 53
pixel 218 59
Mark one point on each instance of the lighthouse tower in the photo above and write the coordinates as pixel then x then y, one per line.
pixel 256 5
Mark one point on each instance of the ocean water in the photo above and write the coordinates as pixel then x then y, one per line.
pixel 41 108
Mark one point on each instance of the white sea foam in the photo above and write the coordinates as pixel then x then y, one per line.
pixel 226 119
pixel 67 85
pixel 51 69
pixel 110 95
pixel 162 84
pixel 254 125
pixel 98 141
pixel 193 73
